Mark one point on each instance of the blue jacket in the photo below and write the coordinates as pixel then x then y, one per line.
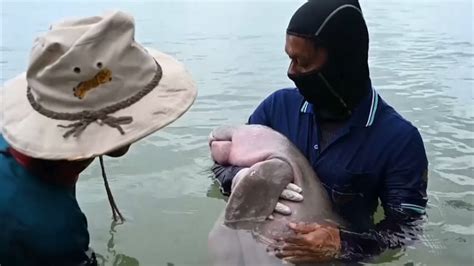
pixel 40 223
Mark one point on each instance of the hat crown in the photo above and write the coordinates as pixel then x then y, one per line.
pixel 88 63
pixel 90 88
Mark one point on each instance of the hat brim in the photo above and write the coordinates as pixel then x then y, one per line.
pixel 38 136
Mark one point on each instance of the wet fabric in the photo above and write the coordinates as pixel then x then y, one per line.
pixel 41 222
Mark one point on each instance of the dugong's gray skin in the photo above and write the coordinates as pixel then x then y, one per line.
pixel 241 234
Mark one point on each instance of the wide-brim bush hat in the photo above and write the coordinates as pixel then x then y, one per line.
pixel 91 88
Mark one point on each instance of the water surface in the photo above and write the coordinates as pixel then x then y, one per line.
pixel 421 58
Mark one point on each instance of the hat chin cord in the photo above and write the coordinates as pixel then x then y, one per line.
pixel 115 211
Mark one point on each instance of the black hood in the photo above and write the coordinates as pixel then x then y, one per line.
pixel 339 26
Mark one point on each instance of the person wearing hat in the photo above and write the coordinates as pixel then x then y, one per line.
pixel 90 90
pixel 362 150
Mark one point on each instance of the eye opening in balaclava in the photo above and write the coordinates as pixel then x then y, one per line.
pixel 339 26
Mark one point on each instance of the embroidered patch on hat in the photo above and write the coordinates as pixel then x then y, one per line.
pixel 103 115
pixel 102 77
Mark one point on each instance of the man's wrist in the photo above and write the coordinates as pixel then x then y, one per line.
pixel 335 234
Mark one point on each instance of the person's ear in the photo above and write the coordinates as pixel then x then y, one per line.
pixel 321 56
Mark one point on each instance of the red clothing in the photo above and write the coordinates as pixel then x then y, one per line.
pixel 61 172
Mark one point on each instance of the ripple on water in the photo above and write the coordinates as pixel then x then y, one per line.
pixel 460 204
pixel 453 195
pixel 459 229
pixel 461 180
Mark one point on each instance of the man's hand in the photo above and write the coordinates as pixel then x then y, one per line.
pixel 312 243
pixel 292 192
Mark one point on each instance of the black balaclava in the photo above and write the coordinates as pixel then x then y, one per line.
pixel 339 86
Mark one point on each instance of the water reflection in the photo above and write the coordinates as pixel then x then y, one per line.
pixel 215 192
pixel 112 257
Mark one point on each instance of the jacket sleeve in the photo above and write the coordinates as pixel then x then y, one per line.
pixel 224 176
pixel 403 197
pixel 57 244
